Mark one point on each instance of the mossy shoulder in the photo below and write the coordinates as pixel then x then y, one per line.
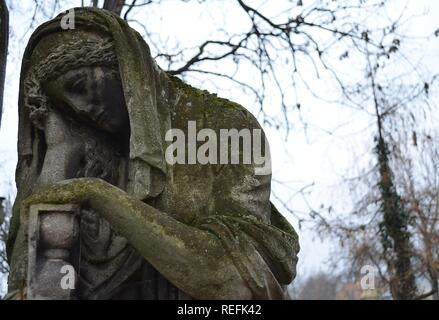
pixel 196 104
pixel 211 97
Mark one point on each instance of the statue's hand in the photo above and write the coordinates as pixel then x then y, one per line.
pixel 68 191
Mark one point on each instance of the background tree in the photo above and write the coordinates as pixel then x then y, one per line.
pixel 417 174
pixel 320 286
pixel 5 209
pixel 389 205
pixel 5 214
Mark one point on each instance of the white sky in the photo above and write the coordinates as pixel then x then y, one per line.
pixel 316 157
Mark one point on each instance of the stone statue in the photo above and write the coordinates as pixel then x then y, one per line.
pixel 95 191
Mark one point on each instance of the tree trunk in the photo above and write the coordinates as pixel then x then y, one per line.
pixel 114 5
pixel 4 34
pixel 394 230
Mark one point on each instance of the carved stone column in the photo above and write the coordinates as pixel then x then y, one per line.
pixel 53 231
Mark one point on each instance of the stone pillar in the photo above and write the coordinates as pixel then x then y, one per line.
pixel 53 231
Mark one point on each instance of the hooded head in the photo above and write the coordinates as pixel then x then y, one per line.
pixel 100 40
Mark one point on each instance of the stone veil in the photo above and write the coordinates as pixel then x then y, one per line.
pixel 226 204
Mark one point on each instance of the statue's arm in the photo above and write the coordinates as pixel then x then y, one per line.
pixel 192 259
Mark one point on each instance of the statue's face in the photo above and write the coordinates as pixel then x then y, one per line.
pixel 94 94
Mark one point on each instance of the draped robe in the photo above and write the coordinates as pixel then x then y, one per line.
pixel 229 201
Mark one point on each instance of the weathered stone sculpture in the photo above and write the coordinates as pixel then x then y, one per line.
pixel 95 111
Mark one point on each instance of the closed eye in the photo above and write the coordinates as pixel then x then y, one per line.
pixel 77 85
